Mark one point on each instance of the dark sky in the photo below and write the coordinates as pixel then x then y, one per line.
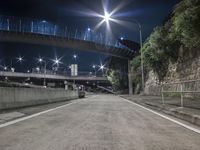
pixel 150 13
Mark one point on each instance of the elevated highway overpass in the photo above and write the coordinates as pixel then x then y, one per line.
pixel 14 29
pixel 33 31
pixel 51 76
pixel 49 40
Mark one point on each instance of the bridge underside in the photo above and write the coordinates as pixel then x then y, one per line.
pixel 33 38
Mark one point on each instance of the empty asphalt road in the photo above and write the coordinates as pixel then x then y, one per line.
pixel 101 122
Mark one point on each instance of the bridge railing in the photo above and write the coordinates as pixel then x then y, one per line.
pixel 28 25
pixel 59 73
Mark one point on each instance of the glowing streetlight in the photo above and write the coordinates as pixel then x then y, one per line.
pixel 38 69
pixel 93 66
pixel 5 68
pixel 20 59
pixel 40 60
pixel 102 67
pixel 56 61
pixel 107 17
pixel 89 29
pixel 75 56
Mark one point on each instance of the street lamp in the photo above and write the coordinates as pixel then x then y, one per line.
pixel 75 56
pixel 94 67
pixel 20 59
pixel 108 17
pixel 38 69
pixel 102 67
pixel 56 61
pixel 5 68
pixel 88 29
pixel 40 60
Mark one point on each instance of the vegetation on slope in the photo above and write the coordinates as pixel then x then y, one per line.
pixel 181 30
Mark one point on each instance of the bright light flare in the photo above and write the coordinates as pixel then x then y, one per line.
pixel 57 61
pixel 102 67
pixel 107 17
pixel 5 68
pixel 40 60
pixel 38 69
pixel 20 59
pixel 93 66
pixel 75 56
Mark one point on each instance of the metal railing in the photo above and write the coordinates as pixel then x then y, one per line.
pixel 190 88
pixel 44 27
pixel 59 73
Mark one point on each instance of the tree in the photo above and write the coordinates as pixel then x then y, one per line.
pixel 117 79
pixel 186 23
pixel 159 50
pixel 117 73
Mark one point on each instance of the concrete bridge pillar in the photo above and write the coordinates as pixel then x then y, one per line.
pixel 130 81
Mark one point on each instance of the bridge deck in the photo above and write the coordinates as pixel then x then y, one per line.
pixel 51 76
pixel 35 38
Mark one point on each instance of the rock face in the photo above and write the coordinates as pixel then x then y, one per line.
pixel 152 85
pixel 184 70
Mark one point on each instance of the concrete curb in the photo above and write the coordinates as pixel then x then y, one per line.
pixel 194 119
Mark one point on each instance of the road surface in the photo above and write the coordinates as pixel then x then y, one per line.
pixel 100 122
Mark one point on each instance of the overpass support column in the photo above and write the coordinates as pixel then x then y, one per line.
pixel 130 81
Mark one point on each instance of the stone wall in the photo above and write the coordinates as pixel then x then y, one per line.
pixel 188 68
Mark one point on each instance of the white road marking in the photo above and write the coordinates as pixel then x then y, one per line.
pixel 163 116
pixel 35 115
pixel 46 111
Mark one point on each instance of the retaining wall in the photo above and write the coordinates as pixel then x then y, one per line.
pixel 21 97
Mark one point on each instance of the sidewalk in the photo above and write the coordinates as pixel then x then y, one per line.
pixel 12 114
pixel 190 112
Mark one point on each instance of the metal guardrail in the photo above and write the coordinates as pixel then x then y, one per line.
pixel 106 89
pixel 182 88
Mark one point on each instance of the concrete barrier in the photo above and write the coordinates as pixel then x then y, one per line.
pixel 21 97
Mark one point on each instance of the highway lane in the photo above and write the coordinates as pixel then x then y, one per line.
pixel 101 122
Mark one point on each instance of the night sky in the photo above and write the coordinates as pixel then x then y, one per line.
pixel 75 14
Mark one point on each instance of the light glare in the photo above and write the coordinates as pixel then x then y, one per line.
pixel 107 17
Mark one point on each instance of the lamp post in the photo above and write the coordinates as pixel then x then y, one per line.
pixel 56 62
pixel 102 67
pixel 20 60
pixel 108 17
pixel 141 53
pixel 45 68
pixel 94 67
